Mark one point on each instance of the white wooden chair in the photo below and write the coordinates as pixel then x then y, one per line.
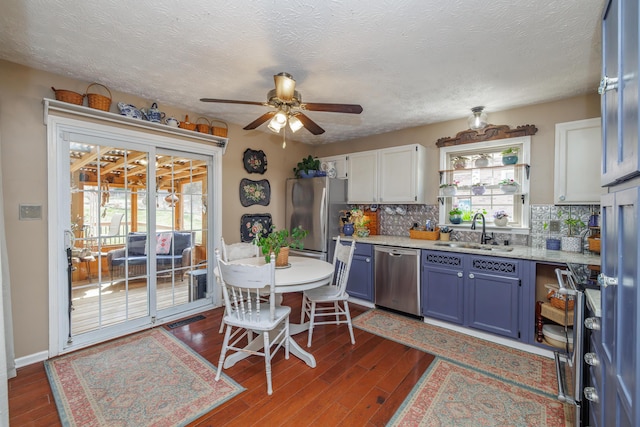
pixel 246 314
pixel 324 302
pixel 236 251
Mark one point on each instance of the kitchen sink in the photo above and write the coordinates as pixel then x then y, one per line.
pixel 468 245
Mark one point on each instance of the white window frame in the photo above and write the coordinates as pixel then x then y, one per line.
pixel 521 204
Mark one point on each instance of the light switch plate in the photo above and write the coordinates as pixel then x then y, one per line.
pixel 554 226
pixel 30 212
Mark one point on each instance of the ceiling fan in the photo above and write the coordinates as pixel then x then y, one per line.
pixel 288 107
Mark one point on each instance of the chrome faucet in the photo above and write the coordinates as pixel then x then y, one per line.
pixel 484 237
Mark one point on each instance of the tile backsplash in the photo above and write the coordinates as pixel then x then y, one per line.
pixel 399 225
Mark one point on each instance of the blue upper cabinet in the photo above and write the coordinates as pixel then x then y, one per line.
pixel 619 89
pixel 619 393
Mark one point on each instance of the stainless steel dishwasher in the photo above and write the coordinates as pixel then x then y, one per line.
pixel 397 278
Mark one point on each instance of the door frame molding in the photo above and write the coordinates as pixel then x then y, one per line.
pixel 57 125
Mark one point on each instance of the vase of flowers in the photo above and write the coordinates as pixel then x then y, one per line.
pixel 501 218
pixel 510 156
pixel 508 186
pixel 455 215
pixel 449 189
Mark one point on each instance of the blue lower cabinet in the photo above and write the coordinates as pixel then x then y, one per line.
pixel 479 292
pixel 442 286
pixel 493 295
pixel 360 283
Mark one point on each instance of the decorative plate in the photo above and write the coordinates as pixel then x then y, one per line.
pixel 252 225
pixel 255 161
pixel 255 192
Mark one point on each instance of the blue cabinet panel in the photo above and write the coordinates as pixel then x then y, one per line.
pixel 360 283
pixel 442 286
pixel 493 295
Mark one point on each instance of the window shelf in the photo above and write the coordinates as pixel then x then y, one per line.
pixel 526 166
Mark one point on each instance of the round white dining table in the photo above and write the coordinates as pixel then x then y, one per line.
pixel 303 273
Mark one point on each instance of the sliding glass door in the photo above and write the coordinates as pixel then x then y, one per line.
pixel 137 227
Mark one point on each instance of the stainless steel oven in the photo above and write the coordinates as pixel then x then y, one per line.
pixel 569 363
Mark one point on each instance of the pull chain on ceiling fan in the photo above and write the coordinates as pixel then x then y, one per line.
pixel 288 108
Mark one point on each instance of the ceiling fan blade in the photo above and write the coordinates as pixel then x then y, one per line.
pixel 260 120
pixel 309 124
pixel 285 86
pixel 332 108
pixel 231 101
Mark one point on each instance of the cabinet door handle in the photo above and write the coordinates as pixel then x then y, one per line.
pixel 592 323
pixel 607 83
pixel 604 280
pixel 590 394
pixel 471 276
pixel 562 198
pixel 591 359
pixel 460 274
pixel 367 260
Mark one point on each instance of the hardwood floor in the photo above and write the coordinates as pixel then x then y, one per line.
pixel 360 385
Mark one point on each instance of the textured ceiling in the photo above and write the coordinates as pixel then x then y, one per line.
pixel 407 62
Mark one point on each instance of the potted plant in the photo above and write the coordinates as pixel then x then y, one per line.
pixel 510 156
pixel 572 242
pixel 482 160
pixel 307 167
pixel 455 215
pixel 449 189
pixel 508 186
pixel 478 188
pixel 459 162
pixel 279 242
pixel 501 218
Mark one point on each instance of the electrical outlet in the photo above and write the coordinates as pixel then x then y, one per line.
pixel 554 226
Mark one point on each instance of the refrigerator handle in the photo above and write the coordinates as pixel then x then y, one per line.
pixel 323 209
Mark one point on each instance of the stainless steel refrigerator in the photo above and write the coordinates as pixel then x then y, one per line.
pixel 315 205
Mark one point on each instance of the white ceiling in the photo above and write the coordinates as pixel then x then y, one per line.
pixel 407 62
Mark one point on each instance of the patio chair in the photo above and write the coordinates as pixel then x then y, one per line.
pixel 246 314
pixel 324 302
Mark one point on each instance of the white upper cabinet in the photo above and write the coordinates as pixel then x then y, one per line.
pixel 339 163
pixel 578 162
pixel 390 175
pixel 362 175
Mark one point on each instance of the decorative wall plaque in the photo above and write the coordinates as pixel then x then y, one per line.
pixel 255 161
pixel 252 225
pixel 489 133
pixel 255 192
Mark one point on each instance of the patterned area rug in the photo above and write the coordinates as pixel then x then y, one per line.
pixel 526 369
pixel 452 395
pixel 146 379
pixel 472 382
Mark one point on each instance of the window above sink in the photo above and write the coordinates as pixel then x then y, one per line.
pixel 479 174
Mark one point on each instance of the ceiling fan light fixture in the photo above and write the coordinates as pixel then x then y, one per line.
pixel 295 124
pixel 278 121
pixel 478 119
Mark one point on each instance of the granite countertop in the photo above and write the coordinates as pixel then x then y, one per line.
pixel 520 252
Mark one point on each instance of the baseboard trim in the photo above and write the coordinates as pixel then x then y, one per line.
pixel 31 359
